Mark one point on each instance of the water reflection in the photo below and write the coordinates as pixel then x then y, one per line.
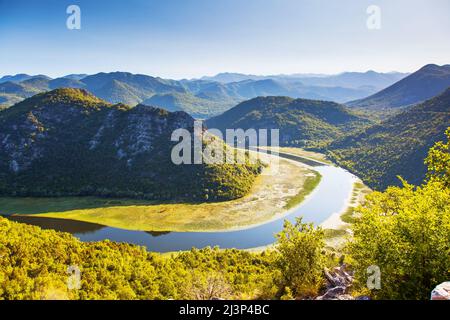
pixel 63 225
pixel 157 233
pixel 329 197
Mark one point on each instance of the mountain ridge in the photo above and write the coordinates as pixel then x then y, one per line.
pixel 302 122
pixel 68 142
pixel 425 83
pixel 202 98
pixel 396 146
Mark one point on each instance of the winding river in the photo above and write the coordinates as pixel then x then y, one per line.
pixel 329 197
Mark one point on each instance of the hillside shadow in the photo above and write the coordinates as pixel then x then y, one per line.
pixel 22 206
pixel 63 225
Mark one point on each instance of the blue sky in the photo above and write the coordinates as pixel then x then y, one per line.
pixel 191 38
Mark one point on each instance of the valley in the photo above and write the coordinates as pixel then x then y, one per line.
pixel 269 197
pixel 189 154
pixel 87 173
pixel 115 135
pixel 251 222
pixel 396 146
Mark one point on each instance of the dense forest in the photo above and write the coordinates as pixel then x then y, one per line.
pixel 405 231
pixel 69 142
pixel 396 146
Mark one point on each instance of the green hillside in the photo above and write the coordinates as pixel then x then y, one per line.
pixel 187 102
pixel 421 85
pixel 69 142
pixel 396 146
pixel 12 92
pixel 304 123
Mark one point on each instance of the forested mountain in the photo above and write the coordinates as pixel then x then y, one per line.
pixel 13 92
pixel 21 87
pixel 115 87
pixel 304 123
pixel 17 78
pixel 396 146
pixel 125 87
pixel 423 84
pixel 187 102
pixel 69 142
pixel 200 98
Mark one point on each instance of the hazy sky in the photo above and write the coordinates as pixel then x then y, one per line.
pixel 191 38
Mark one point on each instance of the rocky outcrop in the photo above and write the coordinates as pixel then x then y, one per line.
pixel 339 282
pixel 441 292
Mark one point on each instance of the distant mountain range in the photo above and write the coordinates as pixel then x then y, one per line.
pixel 68 142
pixel 354 80
pixel 228 77
pixel 423 84
pixel 375 150
pixel 18 77
pixel 398 145
pixel 200 98
pixel 302 122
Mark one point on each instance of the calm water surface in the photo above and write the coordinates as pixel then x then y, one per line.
pixel 328 198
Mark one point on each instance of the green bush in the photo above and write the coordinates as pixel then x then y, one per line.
pixel 406 233
pixel 301 258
